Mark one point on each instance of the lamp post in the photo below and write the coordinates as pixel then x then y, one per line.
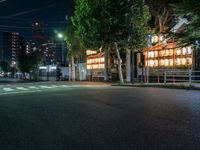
pixel 147 65
pixel 61 36
pixel 14 67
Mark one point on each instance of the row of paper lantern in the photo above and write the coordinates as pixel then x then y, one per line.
pixel 90 52
pixel 184 51
pixel 156 39
pixel 169 52
pixel 170 62
pixel 95 66
pixel 95 60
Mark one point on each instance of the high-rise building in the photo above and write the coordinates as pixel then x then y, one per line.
pixel 11 45
pixel 49 52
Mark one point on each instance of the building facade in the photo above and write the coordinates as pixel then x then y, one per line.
pixel 11 46
pixel 49 53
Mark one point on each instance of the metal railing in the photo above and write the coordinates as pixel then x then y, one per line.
pixel 188 76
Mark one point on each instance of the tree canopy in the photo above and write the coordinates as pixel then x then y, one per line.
pixel 104 22
pixel 190 9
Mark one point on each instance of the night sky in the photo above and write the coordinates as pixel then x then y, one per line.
pixel 17 15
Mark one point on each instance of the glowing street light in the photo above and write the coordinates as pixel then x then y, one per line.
pixel 60 35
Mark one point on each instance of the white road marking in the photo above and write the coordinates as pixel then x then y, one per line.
pixel 33 87
pixel 21 88
pixel 45 87
pixel 39 87
pixel 8 89
pixel 19 92
pixel 54 86
pixel 64 86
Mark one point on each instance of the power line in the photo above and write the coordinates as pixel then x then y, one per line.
pixel 30 11
pixel 25 27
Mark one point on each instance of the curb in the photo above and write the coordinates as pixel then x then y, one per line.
pixel 170 86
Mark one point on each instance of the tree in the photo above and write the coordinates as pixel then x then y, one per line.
pixel 191 34
pixel 162 14
pixel 4 66
pixel 28 62
pixel 74 46
pixel 23 62
pixel 137 25
pixel 91 19
pixel 105 24
pixel 190 10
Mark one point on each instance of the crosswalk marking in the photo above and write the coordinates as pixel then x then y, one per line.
pixel 54 86
pixel 45 87
pixel 21 88
pixel 64 85
pixel 8 89
pixel 33 87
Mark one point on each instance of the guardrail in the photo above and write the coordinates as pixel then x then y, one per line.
pixel 189 76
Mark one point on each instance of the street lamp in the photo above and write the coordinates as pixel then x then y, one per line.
pixel 60 35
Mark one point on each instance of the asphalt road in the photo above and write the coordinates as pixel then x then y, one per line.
pixel 100 118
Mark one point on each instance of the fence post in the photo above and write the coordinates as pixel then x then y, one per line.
pixel 190 76
pixel 165 77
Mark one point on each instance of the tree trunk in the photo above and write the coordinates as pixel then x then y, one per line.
pixel 73 70
pixel 119 64
pixel 79 69
pixel 133 66
pixel 128 66
pixel 69 72
pixel 106 65
pixel 161 28
pixel 77 73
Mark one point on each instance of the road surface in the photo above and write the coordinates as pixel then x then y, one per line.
pixel 97 117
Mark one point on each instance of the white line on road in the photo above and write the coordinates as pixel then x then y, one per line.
pixel 8 89
pixel 65 86
pixel 45 87
pixel 54 86
pixel 33 87
pixel 21 88
pixel 20 92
